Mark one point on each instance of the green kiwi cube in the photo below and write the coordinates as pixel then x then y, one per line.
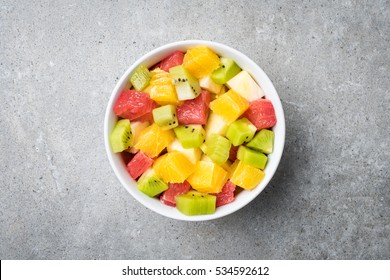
pixel 190 136
pixel 165 117
pixel 196 203
pixel 187 86
pixel 252 157
pixel 141 77
pixel 263 141
pixel 240 131
pixel 121 137
pixel 150 184
pixel 226 71
pixel 218 148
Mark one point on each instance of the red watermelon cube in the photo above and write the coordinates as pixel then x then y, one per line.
pixel 174 59
pixel 194 111
pixel 139 164
pixel 168 197
pixel 227 194
pixel 132 104
pixel 147 117
pixel 261 113
pixel 233 152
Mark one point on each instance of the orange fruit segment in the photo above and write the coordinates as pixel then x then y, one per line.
pixel 229 106
pixel 208 177
pixel 245 176
pixel 152 140
pixel 201 61
pixel 162 89
pixel 173 167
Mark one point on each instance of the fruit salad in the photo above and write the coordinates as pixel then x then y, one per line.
pixel 194 130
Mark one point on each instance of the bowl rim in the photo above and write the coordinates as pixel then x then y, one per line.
pixel 276 155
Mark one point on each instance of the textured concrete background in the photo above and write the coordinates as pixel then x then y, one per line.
pixel 59 61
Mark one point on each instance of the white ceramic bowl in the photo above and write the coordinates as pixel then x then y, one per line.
pixel 244 197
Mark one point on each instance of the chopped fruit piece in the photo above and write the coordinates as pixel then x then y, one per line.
pixel 173 167
pixel 233 153
pixel 162 89
pixel 251 157
pixel 136 128
pixel 195 203
pixel 240 131
pixel 147 117
pixel 208 84
pixel 208 177
pixel 226 195
pixel 166 202
pixel 190 136
pixel 133 104
pixel 174 189
pixel 216 125
pixel 140 77
pixel 174 59
pixel 218 148
pixel 139 164
pixel 187 87
pixel 261 113
pixel 201 61
pixel 226 71
pixel 121 137
pixel 229 106
pixel 225 166
pixel 263 141
pixel 245 176
pixel 165 117
pixel 153 140
pixel 244 85
pixel 194 111
pixel 150 184
pixel 192 154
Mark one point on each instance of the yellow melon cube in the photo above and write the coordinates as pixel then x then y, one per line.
pixel 162 89
pixel 173 167
pixel 152 140
pixel 192 154
pixel 245 176
pixel 215 124
pixel 208 84
pixel 229 106
pixel 208 177
pixel 201 61
pixel 245 85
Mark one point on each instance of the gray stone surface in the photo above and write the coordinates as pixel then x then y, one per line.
pixel 329 61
